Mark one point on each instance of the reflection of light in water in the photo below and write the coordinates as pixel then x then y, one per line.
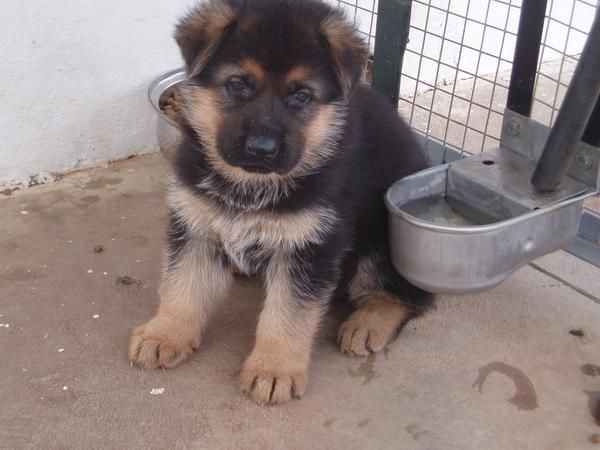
pixel 436 210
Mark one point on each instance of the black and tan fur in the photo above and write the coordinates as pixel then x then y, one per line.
pixel 282 172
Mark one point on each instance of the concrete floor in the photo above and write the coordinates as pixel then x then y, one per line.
pixel 498 370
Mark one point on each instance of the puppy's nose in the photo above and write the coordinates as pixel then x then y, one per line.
pixel 262 146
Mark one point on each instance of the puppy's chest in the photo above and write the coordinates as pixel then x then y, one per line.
pixel 249 254
pixel 250 238
pixel 249 241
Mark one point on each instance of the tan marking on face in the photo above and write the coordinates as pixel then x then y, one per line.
pixel 253 68
pixel 277 368
pixel 304 76
pixel 321 137
pixel 297 74
pixel 249 67
pixel 320 127
pixel 226 71
pixel 375 323
pixel 201 107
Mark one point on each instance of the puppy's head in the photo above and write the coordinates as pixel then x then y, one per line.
pixel 268 84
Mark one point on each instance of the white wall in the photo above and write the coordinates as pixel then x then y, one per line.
pixel 73 82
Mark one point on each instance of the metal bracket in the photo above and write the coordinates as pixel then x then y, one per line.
pixel 586 245
pixel 527 137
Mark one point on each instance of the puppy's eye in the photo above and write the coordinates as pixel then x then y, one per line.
pixel 237 85
pixel 300 97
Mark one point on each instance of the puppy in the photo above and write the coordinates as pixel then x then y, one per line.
pixel 282 173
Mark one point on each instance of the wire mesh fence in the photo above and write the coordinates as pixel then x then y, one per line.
pixel 364 13
pixel 457 64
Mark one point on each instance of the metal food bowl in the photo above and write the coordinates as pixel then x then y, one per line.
pixel 168 133
pixel 445 244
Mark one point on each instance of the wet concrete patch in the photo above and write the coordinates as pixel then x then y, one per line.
pixel 126 280
pixel 365 370
pixel 415 431
pixel 20 274
pixel 525 397
pixel 591 370
pixel 594 405
pixel 328 423
pixel 88 200
pixel 102 182
pixel 9 246
pixel 139 240
pixel 363 423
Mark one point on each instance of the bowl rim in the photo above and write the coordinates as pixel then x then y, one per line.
pixel 159 85
pixel 394 209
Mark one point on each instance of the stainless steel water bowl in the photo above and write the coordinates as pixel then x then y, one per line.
pixel 446 246
pixel 168 133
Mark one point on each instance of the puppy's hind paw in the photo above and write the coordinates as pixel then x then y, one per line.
pixel 371 327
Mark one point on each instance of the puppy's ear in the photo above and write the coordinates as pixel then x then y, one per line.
pixel 202 30
pixel 347 49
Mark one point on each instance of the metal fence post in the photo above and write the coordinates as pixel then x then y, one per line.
pixel 393 24
pixel 529 40
pixel 591 134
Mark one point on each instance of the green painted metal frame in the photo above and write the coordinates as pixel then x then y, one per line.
pixel 393 25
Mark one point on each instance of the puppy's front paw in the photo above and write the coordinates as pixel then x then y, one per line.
pixel 162 342
pixel 267 381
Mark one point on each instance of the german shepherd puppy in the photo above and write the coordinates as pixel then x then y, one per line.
pixel 282 173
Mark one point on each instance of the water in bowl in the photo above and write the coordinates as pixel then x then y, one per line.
pixel 439 210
